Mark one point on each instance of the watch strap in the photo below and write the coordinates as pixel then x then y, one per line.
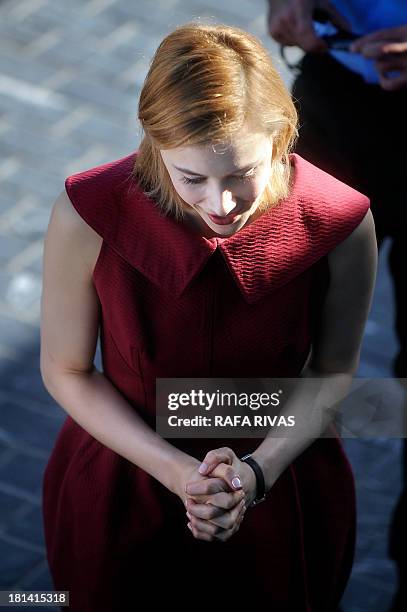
pixel 260 484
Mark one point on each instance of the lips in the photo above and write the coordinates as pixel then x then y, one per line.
pixel 223 220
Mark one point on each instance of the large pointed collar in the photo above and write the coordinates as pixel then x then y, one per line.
pixel 280 244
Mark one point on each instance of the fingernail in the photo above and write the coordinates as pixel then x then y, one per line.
pixel 189 526
pixel 188 515
pixel 242 503
pixel 203 467
pixel 236 482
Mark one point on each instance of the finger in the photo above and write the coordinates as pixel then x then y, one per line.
pixel 229 475
pixel 214 457
pixel 393 83
pixel 226 501
pixel 221 536
pixel 304 32
pixel 208 486
pixel 372 50
pixel 199 535
pixel 393 62
pixel 392 74
pixel 287 31
pixel 216 530
pixel 385 35
pixel 230 517
pixel 395 47
pixel 204 527
pixel 226 534
pixel 208 512
pixel 204 511
pixel 336 17
pixel 280 27
pixel 306 38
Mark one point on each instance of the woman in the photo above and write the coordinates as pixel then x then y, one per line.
pixel 209 252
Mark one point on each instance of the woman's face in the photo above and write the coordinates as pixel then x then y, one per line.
pixel 221 186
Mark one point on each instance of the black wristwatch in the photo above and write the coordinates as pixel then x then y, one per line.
pixel 260 485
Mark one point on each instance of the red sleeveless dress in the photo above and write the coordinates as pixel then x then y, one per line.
pixel 176 304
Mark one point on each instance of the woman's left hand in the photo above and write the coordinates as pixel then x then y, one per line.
pixel 206 524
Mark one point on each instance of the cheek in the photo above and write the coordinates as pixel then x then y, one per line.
pixel 188 194
pixel 252 190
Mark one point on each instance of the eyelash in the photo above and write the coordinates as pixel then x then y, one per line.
pixel 198 181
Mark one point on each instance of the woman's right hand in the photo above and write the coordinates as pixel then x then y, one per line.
pixel 217 514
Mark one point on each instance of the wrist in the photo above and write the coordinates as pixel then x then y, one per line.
pixel 249 483
pixel 268 470
pixel 181 464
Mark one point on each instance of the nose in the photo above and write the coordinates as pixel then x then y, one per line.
pixel 223 204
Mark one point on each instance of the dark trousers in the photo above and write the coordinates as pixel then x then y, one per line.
pixel 358 133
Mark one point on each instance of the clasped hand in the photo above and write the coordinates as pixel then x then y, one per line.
pixel 216 497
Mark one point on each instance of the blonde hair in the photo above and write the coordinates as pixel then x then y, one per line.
pixel 204 83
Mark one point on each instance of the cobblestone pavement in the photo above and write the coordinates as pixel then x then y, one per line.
pixel 70 75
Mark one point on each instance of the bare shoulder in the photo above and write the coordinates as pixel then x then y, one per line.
pixel 70 307
pixel 352 275
pixel 82 236
pixel 356 256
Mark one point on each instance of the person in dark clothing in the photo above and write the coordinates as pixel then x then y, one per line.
pixel 352 106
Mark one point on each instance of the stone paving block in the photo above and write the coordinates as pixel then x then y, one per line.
pixel 101 129
pixel 17 334
pixel 38 118
pixel 102 95
pixel 7 102
pixel 10 246
pixel 53 14
pixel 23 472
pixel 120 12
pixel 15 561
pixel 20 289
pixel 24 387
pixel 12 39
pixel 66 54
pixel 30 427
pixel 28 526
pixel 8 198
pixel 42 185
pixel 38 147
pixel 33 71
pixel 30 226
pixel 39 581
pixel 364 596
pixel 238 14
pixel 8 505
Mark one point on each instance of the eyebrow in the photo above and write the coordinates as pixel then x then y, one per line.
pixel 186 171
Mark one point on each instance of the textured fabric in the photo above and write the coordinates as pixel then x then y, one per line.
pixel 176 304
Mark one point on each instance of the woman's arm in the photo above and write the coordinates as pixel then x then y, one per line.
pixel 70 312
pixel 336 349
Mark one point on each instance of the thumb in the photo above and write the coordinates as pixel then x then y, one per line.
pixel 337 18
pixel 229 475
pixel 213 458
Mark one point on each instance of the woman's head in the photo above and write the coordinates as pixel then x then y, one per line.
pixel 213 102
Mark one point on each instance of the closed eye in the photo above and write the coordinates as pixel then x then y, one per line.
pixel 242 177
